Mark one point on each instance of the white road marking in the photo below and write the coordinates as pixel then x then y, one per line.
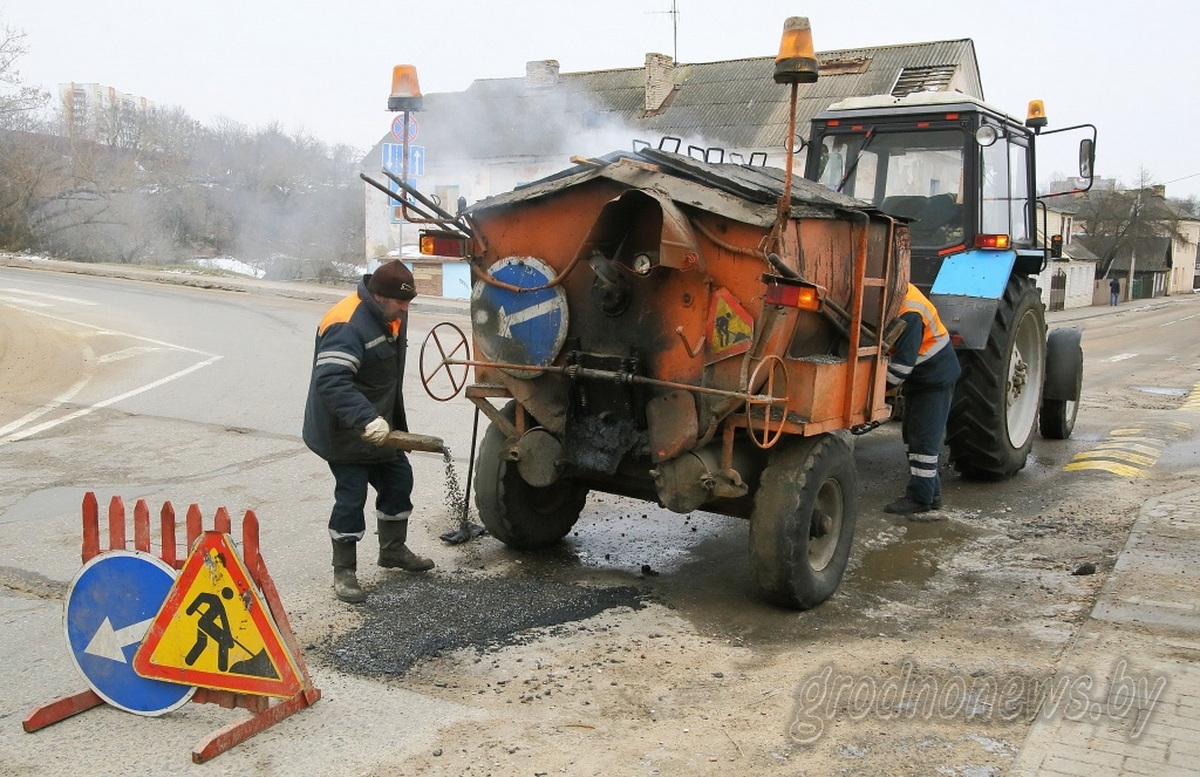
pixel 126 353
pixel 30 302
pixel 1176 321
pixel 60 400
pixel 53 404
pixel 55 297
pixel 1121 357
pixel 105 403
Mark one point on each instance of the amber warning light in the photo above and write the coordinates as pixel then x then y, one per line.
pixel 797 62
pixel 443 244
pixel 991 241
pixel 406 92
pixel 793 294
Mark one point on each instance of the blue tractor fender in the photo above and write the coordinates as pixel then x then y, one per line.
pixel 967 292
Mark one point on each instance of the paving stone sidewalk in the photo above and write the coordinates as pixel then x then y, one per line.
pixel 1130 684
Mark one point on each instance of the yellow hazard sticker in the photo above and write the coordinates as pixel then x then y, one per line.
pixel 730 327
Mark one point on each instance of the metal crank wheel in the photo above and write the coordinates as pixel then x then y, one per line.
pixel 776 374
pixel 449 341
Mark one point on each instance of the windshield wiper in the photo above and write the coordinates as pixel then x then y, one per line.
pixel 857 156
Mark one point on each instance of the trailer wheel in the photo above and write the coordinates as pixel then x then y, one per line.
pixel 996 403
pixel 802 526
pixel 520 515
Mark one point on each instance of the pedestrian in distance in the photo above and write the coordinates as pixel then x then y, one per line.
pixel 923 362
pixel 355 400
pixel 1114 291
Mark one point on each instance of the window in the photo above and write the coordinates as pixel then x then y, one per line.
pixel 1004 184
pixel 916 175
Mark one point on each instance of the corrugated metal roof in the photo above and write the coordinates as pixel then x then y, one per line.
pixel 733 104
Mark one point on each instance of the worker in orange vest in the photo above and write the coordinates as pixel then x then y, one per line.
pixel 922 360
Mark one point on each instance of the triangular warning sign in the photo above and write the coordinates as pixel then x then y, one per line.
pixel 730 327
pixel 214 631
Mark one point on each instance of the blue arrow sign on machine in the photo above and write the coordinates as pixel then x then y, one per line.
pixel 110 605
pixel 520 327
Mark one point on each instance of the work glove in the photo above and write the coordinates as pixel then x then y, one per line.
pixel 377 431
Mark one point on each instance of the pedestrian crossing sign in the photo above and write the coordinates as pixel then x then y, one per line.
pixel 214 631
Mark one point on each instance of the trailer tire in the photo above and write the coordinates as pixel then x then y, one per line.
pixel 996 403
pixel 521 516
pixel 802 525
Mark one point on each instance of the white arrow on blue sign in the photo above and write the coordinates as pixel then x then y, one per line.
pixel 393 158
pixel 110 605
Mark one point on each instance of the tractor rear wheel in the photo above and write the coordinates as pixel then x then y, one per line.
pixel 995 409
pixel 802 526
pixel 521 516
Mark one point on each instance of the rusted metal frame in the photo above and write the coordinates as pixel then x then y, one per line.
pixel 856 305
pixel 575 371
pixel 877 361
pixel 443 216
pixel 494 415
pixel 388 191
pixel 783 213
pixel 712 237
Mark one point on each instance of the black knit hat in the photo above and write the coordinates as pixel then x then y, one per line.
pixel 394 280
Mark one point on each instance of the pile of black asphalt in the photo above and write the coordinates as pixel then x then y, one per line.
pixel 409 618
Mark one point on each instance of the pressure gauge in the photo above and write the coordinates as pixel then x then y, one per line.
pixel 642 264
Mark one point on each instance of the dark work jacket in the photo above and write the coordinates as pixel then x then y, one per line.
pixel 357 374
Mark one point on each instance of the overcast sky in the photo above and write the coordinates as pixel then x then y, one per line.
pixel 324 66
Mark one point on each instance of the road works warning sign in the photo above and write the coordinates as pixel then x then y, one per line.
pixel 730 326
pixel 214 631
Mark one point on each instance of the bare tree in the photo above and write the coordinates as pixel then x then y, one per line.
pixel 1119 221
pixel 17 100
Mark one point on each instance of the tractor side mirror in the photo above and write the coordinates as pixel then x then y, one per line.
pixel 1087 157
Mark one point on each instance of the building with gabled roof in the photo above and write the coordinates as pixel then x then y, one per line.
pixel 502 132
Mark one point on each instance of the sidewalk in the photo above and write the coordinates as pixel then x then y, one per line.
pixel 1134 707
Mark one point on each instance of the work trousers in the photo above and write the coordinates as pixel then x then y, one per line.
pixel 393 483
pixel 926 410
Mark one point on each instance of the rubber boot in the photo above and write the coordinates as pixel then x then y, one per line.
pixel 345 581
pixel 393 553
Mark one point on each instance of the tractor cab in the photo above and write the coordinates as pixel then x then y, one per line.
pixel 958 170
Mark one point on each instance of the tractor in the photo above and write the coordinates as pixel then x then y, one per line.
pixel 961 173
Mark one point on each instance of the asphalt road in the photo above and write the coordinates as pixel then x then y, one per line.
pixel 159 392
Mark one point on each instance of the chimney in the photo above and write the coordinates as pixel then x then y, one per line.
pixel 660 82
pixel 541 73
pixel 1159 190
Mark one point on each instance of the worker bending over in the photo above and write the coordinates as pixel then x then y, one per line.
pixel 923 361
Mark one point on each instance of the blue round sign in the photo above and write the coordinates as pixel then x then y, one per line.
pixel 110 606
pixel 520 327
